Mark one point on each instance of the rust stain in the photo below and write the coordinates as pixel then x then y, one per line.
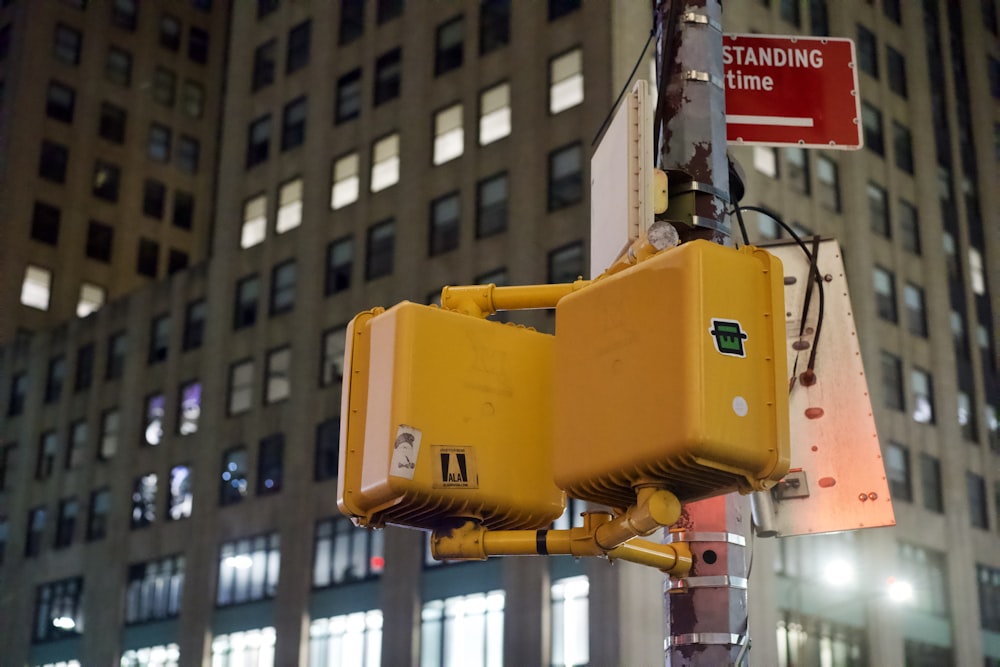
pixel 814 413
pixel 827 482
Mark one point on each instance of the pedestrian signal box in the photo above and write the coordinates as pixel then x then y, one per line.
pixel 672 373
pixel 446 415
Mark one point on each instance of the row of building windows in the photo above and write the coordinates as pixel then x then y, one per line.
pixel 868 61
pixel 797 164
pixel 565 91
pixel 902 140
pixel 67 41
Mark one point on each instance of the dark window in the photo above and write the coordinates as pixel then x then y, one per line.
pixel 352 20
pixel 270 467
pixel 158 145
pixel 386 10
pixel 897 471
pixel 107 180
pixel 867 51
pixel 116 356
pixel 60 102
pixel 45 223
pixel 55 379
pixel 989 597
pixel 118 67
pixel 124 13
pixel 878 210
pixel 164 86
pixel 298 47
pixel 892 381
pixel 154 590
pixel 445 222
pixel 565 264
pixel 66 44
pixel 828 183
pixel 327 449
pixel 84 367
pixel 143 501
pixel 245 310
pixel 978 514
pixel 349 96
pixel 188 154
pixel 916 310
pixel 6 467
pixel 4 41
pixel 233 482
pixel 871 123
pixel 902 144
pixel 194 325
pixel 159 339
pixel 177 260
pixel 35 532
pixel 930 483
pixel 258 140
pixel 896 66
pixel 789 10
pixel 892 10
pixel 388 72
pixel 448 52
pixel 198 45
pixel 148 258
pixel 18 392
pixel 99 241
pixel 48 447
pixel 66 522
pixel 494 25
pixel 112 124
pixel 797 168
pixel 58 610
pixel 990 22
pixel 339 265
pixel 565 179
pixel 193 98
pixel 283 287
pixel 170 32
pixel 559 8
pixel 293 124
pixel 332 363
pixel 183 209
pixel 265 7
pixel 97 519
pixel 819 18
pixel 885 294
pixel 154 194
pixel 491 206
pixel 52 163
pixel 381 249
pixel 264 64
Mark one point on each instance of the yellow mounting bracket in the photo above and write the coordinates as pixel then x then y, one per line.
pixel 483 300
pixel 600 535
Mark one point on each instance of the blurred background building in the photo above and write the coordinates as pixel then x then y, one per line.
pixel 197 197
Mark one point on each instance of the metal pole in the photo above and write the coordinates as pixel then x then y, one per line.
pixel 706 613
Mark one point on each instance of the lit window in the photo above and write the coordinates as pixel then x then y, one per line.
pixel 252 648
pixel 92 297
pixel 765 160
pixel 180 498
pixel 571 621
pixel 144 500
pixel 346 181
pixel 923 396
pixel 77 450
pixel 494 114
pixel 190 408
pixel 248 570
pixel 109 434
pixel 289 206
pixel 154 590
pixel 885 294
pixel 193 98
pixel 254 221
pixel 878 209
pixel 277 384
pixel 449 139
pixel 916 313
pixel 233 486
pixel 385 162
pixel 152 656
pixel 343 554
pixel 967 417
pixel 462 630
pixel 240 386
pixel 332 365
pixel 36 287
pixel 565 81
pixel 153 433
pixel 58 610
pixel 352 639
pixel 897 472
pixel 976 277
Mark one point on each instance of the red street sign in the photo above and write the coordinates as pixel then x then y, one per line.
pixel 791 91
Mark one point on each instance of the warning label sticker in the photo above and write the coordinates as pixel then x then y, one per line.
pixel 456 468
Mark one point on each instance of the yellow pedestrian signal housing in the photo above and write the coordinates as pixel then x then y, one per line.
pixel 446 415
pixel 672 374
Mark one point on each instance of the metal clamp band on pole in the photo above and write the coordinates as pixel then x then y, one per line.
pixel 713 638
pixel 695 186
pixel 704 77
pixel 711 581
pixel 709 223
pixel 695 536
pixel 695 17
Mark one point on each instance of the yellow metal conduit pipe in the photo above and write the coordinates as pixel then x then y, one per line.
pixel 483 300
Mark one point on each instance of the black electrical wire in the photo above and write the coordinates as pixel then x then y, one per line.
pixel 743 227
pixel 813 276
pixel 607 119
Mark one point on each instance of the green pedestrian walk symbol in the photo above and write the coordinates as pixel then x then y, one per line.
pixel 729 337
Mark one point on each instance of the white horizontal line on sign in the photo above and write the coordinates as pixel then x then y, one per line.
pixel 785 121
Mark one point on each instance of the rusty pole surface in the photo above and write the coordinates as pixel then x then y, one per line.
pixel 706 613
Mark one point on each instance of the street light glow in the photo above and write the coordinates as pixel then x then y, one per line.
pixel 241 562
pixel 838 573
pixel 64 623
pixel 900 591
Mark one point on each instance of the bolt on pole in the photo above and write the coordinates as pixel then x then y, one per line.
pixel 706 613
